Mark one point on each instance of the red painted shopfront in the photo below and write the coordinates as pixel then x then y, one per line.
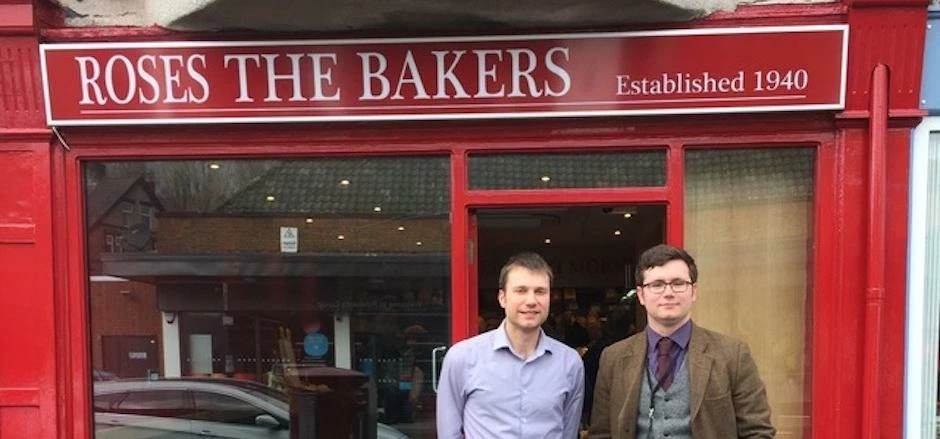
pixel 772 142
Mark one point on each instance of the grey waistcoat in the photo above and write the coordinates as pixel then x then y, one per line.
pixel 672 418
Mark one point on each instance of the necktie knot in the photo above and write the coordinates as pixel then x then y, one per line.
pixel 664 346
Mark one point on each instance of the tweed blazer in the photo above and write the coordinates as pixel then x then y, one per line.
pixel 727 396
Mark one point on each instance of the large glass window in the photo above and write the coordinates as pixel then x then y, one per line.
pixel 748 222
pixel 296 288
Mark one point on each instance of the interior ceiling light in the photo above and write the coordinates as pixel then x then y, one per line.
pixel 419 243
pixel 546 179
pixel 401 228
pixel 344 182
pixel 626 211
pixel 340 237
pixel 269 198
pixel 377 208
pixel 309 220
pixel 548 241
pixel 617 232
pixel 214 166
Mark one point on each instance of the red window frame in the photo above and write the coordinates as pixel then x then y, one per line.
pixel 458 140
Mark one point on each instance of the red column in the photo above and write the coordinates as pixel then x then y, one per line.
pixel 28 382
pixel 863 395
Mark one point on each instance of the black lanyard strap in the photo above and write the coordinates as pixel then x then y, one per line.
pixel 654 389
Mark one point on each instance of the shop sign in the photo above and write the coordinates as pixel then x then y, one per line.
pixel 755 69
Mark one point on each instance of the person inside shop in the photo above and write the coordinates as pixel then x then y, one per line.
pixel 676 379
pixel 576 334
pixel 514 381
pixel 617 327
pixel 404 403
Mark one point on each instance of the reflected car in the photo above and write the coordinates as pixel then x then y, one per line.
pixel 191 408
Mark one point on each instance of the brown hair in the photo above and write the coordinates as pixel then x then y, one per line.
pixel 529 260
pixel 659 256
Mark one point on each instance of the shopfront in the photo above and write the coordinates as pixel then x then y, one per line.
pixel 226 220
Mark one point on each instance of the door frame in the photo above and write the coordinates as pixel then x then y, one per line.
pixel 464 243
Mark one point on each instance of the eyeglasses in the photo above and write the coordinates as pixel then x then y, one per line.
pixel 659 287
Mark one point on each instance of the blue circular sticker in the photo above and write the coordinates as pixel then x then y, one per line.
pixel 316 344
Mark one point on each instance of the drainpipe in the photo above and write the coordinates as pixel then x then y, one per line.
pixel 875 282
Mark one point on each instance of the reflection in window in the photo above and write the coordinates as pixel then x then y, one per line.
pixel 324 277
pixel 220 408
pixel 748 223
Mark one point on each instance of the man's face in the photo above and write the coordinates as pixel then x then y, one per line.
pixel 670 309
pixel 525 299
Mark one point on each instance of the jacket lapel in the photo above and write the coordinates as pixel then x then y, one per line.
pixel 632 364
pixel 700 368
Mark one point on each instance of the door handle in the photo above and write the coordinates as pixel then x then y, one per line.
pixel 434 365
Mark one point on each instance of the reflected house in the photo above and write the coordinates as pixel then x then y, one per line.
pixel 372 252
pixel 122 221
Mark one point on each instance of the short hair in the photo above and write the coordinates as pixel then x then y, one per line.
pixel 528 260
pixel 661 255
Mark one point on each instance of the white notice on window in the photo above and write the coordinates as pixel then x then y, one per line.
pixel 289 239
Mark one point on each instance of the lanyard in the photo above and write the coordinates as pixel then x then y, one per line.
pixel 654 389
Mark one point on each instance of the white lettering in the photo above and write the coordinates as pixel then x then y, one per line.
pixel 149 79
pixel 558 70
pixel 410 68
pixel 293 76
pixel 129 73
pixel 323 75
pixel 242 74
pixel 518 73
pixel 88 80
pixel 446 75
pixel 368 75
pixel 171 79
pixel 198 77
pixel 485 72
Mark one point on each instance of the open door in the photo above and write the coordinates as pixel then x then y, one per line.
pixel 592 251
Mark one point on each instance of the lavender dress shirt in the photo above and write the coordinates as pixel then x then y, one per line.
pixel 488 391
pixel 681 337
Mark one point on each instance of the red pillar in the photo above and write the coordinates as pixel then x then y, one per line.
pixel 863 397
pixel 28 395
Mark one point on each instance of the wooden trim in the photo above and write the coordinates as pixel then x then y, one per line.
pixel 19 397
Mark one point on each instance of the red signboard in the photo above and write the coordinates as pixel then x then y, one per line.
pixel 565 75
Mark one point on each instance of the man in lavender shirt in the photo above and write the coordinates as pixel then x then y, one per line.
pixel 513 381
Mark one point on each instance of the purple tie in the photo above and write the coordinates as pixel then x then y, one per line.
pixel 664 366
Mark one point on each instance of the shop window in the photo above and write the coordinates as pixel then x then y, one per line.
pixel 278 278
pixel 748 222
pixel 567 170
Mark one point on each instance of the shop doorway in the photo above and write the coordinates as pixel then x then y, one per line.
pixel 592 251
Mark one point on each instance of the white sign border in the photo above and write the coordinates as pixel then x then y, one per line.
pixel 50 47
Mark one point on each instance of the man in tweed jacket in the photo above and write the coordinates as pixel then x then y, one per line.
pixel 711 388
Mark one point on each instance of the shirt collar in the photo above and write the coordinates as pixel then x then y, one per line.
pixel 501 340
pixel 681 337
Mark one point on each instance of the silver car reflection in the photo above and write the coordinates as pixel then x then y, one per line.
pixel 191 408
